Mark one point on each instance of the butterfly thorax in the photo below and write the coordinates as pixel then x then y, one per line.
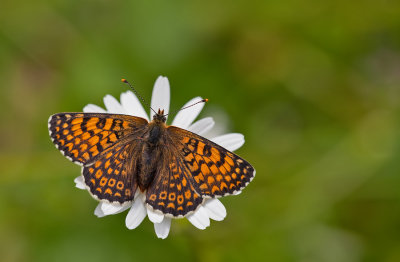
pixel 152 153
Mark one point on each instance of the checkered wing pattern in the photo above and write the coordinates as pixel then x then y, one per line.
pixel 171 192
pixel 104 144
pixel 111 176
pixel 213 170
pixel 82 137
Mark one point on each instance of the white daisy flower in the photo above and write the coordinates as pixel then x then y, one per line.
pixel 130 105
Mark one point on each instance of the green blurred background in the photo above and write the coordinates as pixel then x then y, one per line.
pixel 313 85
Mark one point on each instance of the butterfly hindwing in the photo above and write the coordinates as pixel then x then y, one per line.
pixel 214 171
pixel 171 192
pixel 111 176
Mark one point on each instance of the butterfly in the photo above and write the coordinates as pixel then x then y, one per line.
pixel 120 154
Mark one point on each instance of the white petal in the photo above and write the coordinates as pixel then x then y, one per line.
pixel 98 212
pixel 202 126
pixel 79 183
pixel 112 105
pixel 162 229
pixel 215 209
pixel 160 96
pixel 136 214
pixel 104 209
pixel 132 105
pixel 90 108
pixel 109 209
pixel 230 141
pixel 185 117
pixel 199 218
pixel 154 216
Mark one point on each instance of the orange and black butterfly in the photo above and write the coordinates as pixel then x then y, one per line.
pixel 120 154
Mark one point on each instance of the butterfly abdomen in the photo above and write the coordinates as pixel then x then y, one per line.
pixel 151 155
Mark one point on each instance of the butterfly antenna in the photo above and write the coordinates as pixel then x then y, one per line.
pixel 123 80
pixel 198 102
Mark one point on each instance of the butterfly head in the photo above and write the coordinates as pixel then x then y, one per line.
pixel 159 116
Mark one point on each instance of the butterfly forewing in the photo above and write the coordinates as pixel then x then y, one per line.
pixel 214 171
pixel 83 136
